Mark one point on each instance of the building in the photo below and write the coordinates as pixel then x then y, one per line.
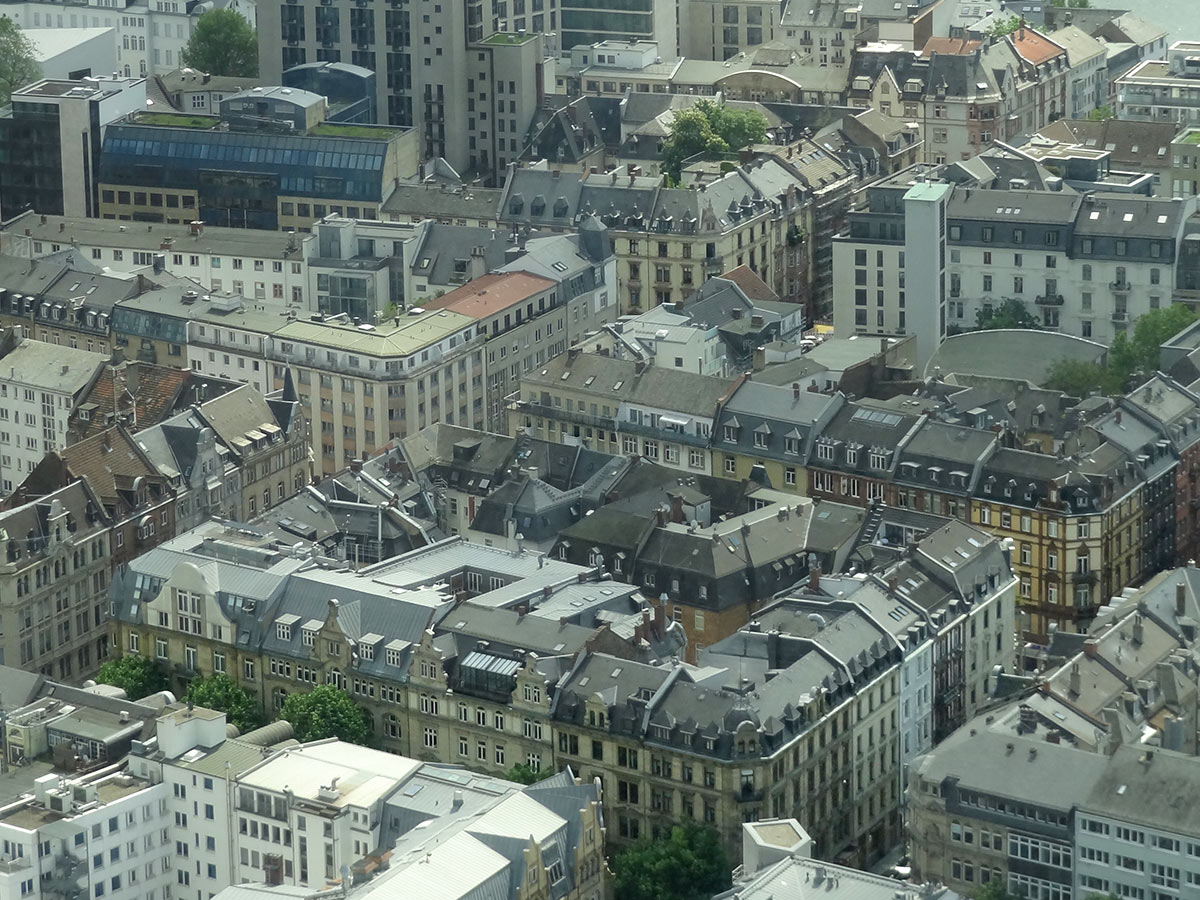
pixel 1097 261
pixel 729 746
pixel 1161 90
pixel 431 89
pixel 102 811
pixel 767 430
pixel 57 545
pixel 361 386
pixel 280 166
pixel 669 241
pixel 44 388
pixel 621 406
pixel 137 499
pixel 778 852
pixel 51 139
pixel 269 265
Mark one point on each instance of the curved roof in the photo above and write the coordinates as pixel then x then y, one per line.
pixel 1024 354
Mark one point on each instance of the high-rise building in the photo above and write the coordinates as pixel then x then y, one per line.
pixel 50 143
pixel 468 76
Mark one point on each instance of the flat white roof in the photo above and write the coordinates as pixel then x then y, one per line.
pixel 363 775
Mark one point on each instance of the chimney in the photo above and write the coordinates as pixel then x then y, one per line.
pixel 639 367
pixel 1180 599
pixel 660 616
pixel 678 306
pixel 1139 628
pixel 660 517
pixel 1075 679
pixel 677 509
pixel 1118 417
pixel 795 390
pixel 814 579
pixel 1091 648
pixel 893 583
pixel 759 359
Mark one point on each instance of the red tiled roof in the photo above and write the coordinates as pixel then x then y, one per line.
pixel 752 286
pixel 1035 48
pixel 155 389
pixel 948 46
pixel 490 294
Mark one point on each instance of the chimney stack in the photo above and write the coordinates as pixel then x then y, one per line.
pixel 1180 599
pixel 814 579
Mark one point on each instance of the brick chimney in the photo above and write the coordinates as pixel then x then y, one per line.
pixel 814 579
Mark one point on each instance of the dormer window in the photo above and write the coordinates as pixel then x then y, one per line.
pixel 825 451
pixel 852 456
pixel 878 460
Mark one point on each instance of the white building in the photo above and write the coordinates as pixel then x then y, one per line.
pixel 72 53
pixel 1085 265
pixel 97 835
pixel 1163 90
pixel 268 264
pixel 44 384
pixel 672 340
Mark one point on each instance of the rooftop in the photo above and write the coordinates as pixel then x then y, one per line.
pixel 509 38
pixel 386 339
pixel 491 294
pixel 176 120
pixel 361 132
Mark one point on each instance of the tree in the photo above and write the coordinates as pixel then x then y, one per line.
pixel 993 890
pixel 222 43
pixel 1128 357
pixel 1011 313
pixel 709 127
pixel 1100 113
pixel 18 66
pixel 689 864
pixel 1001 27
pixel 137 676
pixel 222 693
pixel 524 774
pixel 1079 379
pixel 324 712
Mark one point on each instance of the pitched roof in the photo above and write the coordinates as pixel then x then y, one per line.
pixel 155 390
pixel 752 286
pixel 111 461
pixel 490 294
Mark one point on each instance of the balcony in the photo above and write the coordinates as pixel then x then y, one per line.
pixel 559 414
pixel 1049 300
pixel 714 264
pixel 1119 287
pixel 748 793
pixel 667 433
pixel 1120 315
pixel 1084 577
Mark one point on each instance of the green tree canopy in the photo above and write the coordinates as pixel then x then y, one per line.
pixel 1001 27
pixel 993 890
pixel 1100 113
pixel 1127 356
pixel 222 693
pixel 222 43
pixel 1011 313
pixel 709 127
pixel 17 64
pixel 525 774
pixel 689 864
pixel 324 712
pixel 137 676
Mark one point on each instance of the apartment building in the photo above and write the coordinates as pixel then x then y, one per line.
pixel 100 831
pixel 265 818
pixel 1087 265
pixel 45 386
pixel 467 83
pixel 51 299
pixel 51 138
pixel 768 429
pixel 58 561
pixel 622 406
pixel 361 386
pixel 710 30
pixel 264 266
pixel 806 742
pixel 137 499
pixel 668 241
pixel 1162 90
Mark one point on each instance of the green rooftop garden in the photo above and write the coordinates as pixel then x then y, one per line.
pixel 371 132
pixel 1190 137
pixel 176 120
pixel 510 38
